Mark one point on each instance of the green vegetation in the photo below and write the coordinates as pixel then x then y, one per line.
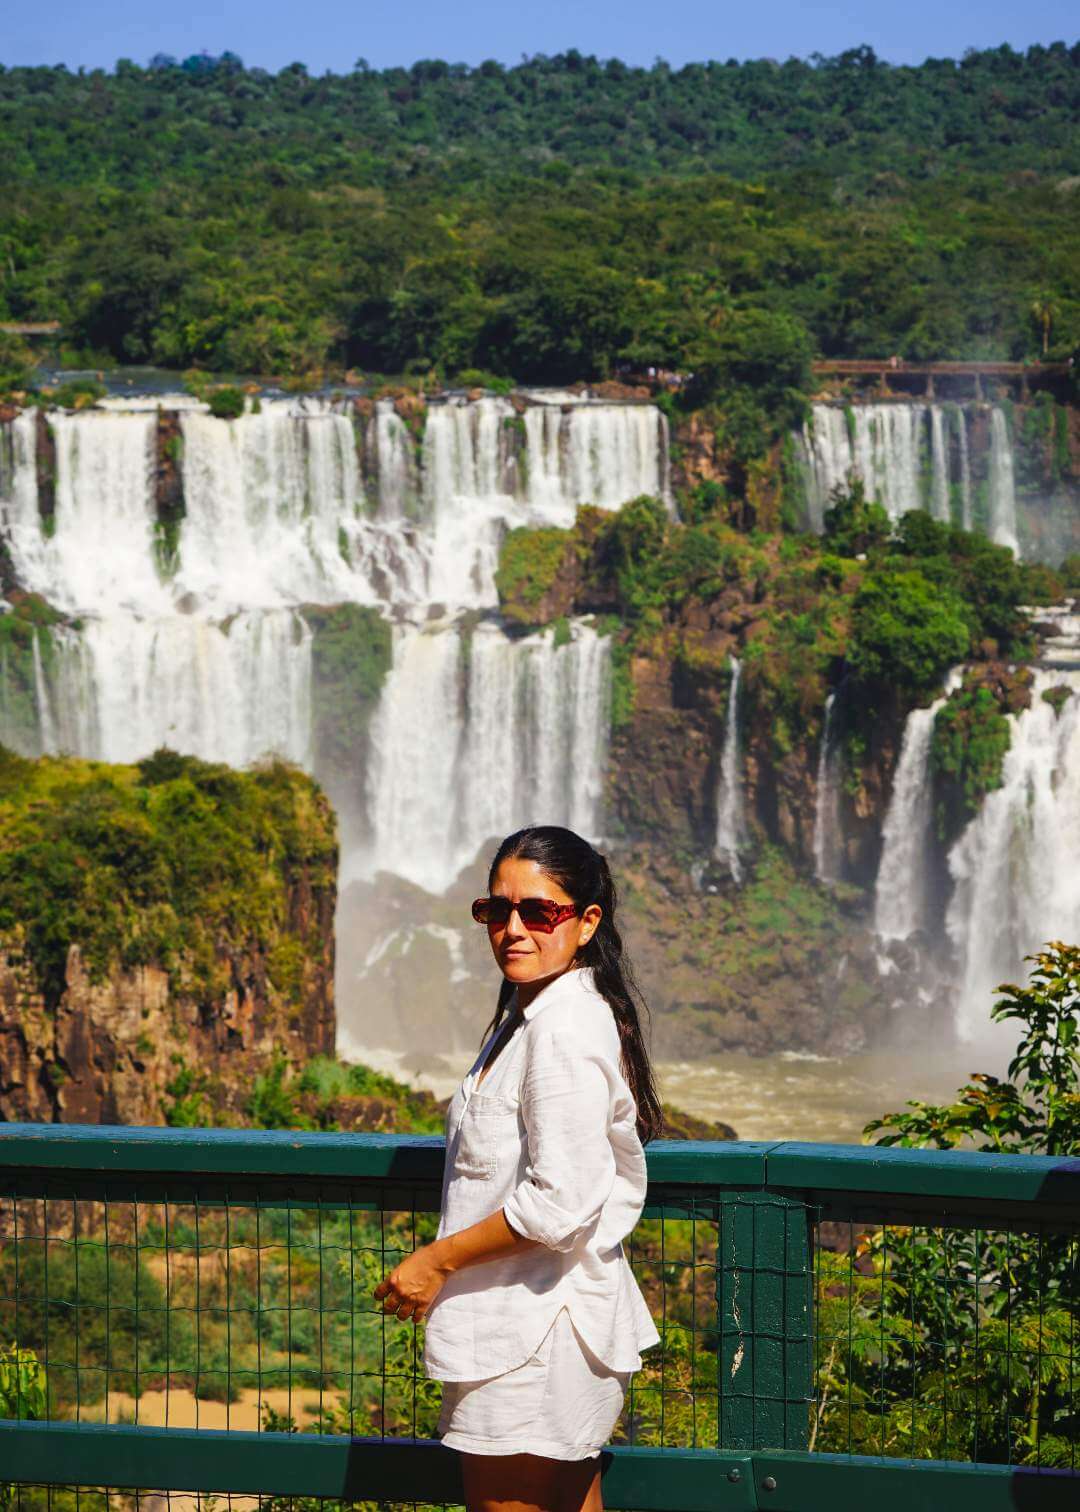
pixel 529 564
pixel 561 220
pixel 967 752
pixel 351 656
pixel 327 1092
pixel 854 524
pixel 161 863
pixel 1057 697
pixel 797 610
pixel 906 631
pixel 226 402
pixel 908 1346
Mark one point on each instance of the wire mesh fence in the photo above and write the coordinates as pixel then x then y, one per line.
pixel 245 1306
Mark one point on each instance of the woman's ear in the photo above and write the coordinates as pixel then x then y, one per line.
pixel 590 923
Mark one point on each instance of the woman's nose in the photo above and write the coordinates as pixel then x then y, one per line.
pixel 514 927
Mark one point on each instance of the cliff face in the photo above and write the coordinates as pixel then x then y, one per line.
pixel 179 1038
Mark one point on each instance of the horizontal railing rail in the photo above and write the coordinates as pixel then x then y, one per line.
pixel 837 1321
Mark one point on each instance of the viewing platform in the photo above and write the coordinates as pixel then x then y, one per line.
pixel 896 376
pixel 841 1325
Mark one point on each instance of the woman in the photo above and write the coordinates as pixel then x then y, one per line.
pixel 535 1322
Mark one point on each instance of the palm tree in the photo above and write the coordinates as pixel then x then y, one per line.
pixel 1043 312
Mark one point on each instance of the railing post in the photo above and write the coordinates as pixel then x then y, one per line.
pixel 764 1279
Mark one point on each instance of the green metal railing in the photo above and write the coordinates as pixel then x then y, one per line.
pixel 188 1311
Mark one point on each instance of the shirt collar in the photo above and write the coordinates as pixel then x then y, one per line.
pixel 574 980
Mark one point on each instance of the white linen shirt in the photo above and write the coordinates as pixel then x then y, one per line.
pixel 549 1137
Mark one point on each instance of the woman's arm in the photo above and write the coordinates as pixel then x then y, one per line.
pixel 411 1287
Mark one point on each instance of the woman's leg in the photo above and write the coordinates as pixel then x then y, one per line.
pixel 530 1483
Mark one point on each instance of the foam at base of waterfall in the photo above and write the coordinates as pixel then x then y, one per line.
pixel 1014 868
pixel 476 735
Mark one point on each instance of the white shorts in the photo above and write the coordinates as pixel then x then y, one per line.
pixel 561 1404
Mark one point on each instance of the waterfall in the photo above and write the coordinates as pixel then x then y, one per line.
pixel 965 469
pixel 904 456
pixel 1001 525
pixel 827 802
pixel 467 506
pixel 939 466
pixel 880 443
pixel 273 509
pixel 232 692
pixel 901 891
pixel 104 499
pixel 396 473
pixel 46 721
pixel 730 824
pixel 19 517
pixel 1014 868
pixel 479 734
pixel 590 453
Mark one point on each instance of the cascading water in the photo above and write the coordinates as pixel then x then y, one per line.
pixel 197 635
pixel 965 470
pixel 939 466
pixel 730 824
pixel 901 892
pixel 477 734
pixel 1001 525
pixel 1014 868
pixel 827 801
pixel 909 456
pixel 126 686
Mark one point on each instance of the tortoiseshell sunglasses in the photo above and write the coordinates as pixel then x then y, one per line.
pixel 539 915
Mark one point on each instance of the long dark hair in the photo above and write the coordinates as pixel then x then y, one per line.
pixel 583 873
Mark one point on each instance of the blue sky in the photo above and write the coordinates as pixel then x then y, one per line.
pixel 272 33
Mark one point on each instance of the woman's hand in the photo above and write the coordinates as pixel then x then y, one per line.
pixel 411 1287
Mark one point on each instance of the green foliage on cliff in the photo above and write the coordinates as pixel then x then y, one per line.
pixel 226 403
pixel 529 565
pixel 327 1091
pixel 351 656
pixel 968 749
pixel 167 863
pixel 906 631
pixel 853 523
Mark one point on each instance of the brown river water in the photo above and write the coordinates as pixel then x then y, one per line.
pixel 783 1096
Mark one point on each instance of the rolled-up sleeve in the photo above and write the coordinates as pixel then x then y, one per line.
pixel 566 1108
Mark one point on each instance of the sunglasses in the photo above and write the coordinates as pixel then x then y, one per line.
pixel 539 915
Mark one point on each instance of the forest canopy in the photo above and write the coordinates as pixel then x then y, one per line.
pixel 556 221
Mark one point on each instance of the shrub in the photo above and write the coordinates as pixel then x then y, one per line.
pixel 854 524
pixel 226 403
pixel 529 565
pixel 906 632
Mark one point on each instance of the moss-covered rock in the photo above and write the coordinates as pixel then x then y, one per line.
pixel 536 577
pixel 151 917
pixel 971 739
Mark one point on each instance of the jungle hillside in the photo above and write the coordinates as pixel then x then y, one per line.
pixel 563 220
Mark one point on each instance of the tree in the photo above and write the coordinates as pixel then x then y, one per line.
pixel 906 631
pixel 854 524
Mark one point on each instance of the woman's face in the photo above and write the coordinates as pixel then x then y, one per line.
pixel 531 959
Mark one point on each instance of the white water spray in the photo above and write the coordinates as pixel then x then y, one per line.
pixel 730 822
